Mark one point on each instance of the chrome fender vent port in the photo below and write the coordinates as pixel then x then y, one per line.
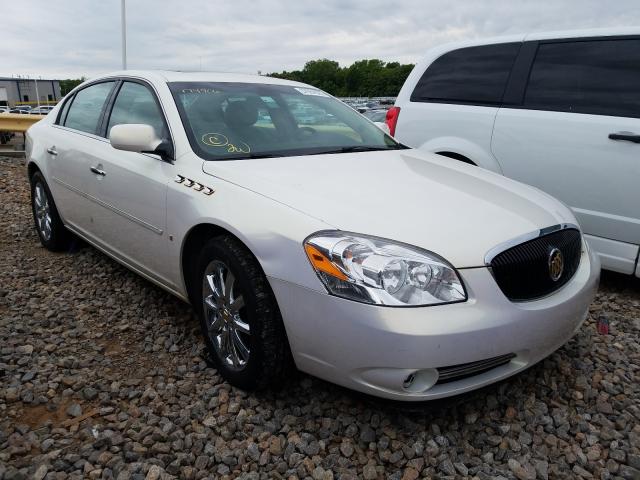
pixel 420 380
pixel 400 380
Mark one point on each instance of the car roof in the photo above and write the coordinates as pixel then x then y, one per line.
pixel 164 76
pixel 560 34
pixel 590 32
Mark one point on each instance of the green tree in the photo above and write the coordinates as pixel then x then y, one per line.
pixel 324 74
pixel 69 84
pixel 364 78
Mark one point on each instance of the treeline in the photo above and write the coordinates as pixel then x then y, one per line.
pixel 69 84
pixel 364 78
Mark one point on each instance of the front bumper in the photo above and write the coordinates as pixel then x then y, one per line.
pixel 375 349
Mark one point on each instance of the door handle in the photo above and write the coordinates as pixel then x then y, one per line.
pixel 98 171
pixel 628 136
pixel 52 150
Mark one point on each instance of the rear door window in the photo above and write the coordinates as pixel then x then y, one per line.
pixel 472 75
pixel 600 77
pixel 85 111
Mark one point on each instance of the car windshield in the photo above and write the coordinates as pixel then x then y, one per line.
pixel 229 121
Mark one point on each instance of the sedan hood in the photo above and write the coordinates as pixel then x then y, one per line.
pixel 455 210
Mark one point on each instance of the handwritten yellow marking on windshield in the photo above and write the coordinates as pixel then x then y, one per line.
pixel 220 140
pixel 215 139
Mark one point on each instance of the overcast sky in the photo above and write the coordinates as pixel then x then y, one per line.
pixel 71 38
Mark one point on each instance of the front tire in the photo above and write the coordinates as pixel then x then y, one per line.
pixel 53 234
pixel 239 316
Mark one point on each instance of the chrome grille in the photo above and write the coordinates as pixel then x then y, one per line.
pixel 523 272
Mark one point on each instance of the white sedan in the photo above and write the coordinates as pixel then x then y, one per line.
pixel 42 110
pixel 330 247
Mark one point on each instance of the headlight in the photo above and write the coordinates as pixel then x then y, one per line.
pixel 375 270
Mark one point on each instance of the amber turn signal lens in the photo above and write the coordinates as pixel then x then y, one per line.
pixel 321 263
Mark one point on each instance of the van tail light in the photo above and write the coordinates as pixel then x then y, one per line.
pixel 392 119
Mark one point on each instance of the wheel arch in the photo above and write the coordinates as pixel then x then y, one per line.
pixel 32 168
pixel 193 242
pixel 457 156
pixel 464 150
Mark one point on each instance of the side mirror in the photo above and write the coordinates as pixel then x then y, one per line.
pixel 139 137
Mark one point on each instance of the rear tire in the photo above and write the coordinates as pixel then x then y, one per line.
pixel 53 234
pixel 239 316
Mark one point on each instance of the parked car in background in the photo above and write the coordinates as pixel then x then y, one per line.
pixel 22 108
pixel 559 111
pixel 5 137
pixel 378 117
pixel 7 109
pixel 41 110
pixel 372 265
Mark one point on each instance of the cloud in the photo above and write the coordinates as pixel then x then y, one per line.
pixel 70 38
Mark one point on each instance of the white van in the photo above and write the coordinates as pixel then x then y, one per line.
pixel 560 111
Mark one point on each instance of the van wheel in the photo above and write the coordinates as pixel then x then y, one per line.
pixel 53 234
pixel 239 316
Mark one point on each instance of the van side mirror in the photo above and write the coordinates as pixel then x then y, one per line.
pixel 141 138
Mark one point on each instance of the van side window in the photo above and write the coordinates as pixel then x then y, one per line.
pixel 600 77
pixel 472 75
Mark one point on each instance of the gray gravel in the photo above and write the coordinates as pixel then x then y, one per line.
pixel 101 377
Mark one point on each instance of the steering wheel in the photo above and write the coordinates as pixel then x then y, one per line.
pixel 308 130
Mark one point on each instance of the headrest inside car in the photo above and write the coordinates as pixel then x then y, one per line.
pixel 241 113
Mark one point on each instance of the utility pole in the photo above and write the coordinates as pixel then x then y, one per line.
pixel 37 95
pixel 123 17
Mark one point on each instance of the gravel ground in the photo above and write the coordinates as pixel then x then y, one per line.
pixel 101 377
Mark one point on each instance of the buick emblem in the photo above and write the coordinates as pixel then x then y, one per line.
pixel 556 264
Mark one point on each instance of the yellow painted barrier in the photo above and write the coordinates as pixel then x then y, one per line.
pixel 35 104
pixel 17 122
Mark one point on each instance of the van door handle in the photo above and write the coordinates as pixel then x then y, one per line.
pixel 52 150
pixel 628 136
pixel 98 171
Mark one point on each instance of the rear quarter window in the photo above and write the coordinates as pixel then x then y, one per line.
pixel 472 75
pixel 63 113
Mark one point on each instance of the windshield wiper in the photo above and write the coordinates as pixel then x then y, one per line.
pixel 362 148
pixel 252 155
pixel 349 149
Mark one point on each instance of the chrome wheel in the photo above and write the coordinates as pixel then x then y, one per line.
pixel 223 307
pixel 42 211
